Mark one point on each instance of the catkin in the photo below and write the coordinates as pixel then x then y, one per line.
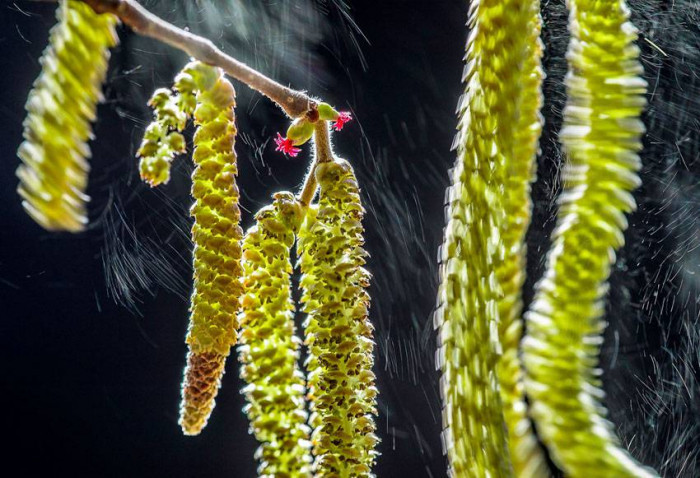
pixel 217 250
pixel 62 104
pixel 337 330
pixel 269 348
pixel 518 172
pixel 482 246
pixel 601 136
pixel 163 138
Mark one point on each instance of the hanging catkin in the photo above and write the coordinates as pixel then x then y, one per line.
pixel 163 138
pixel 601 136
pixel 338 331
pixel 519 171
pixel 60 108
pixel 217 249
pixel 269 350
pixel 481 247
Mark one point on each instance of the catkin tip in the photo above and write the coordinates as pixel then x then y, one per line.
pixel 200 386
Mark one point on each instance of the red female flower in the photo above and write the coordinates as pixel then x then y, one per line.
pixel 286 146
pixel 340 121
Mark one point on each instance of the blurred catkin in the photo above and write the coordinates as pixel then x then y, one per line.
pixel 60 108
pixel 217 245
pixel 482 257
pixel 601 136
pixel 518 171
pixel 269 350
pixel 338 332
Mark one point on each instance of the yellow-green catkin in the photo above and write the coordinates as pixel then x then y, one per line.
pixel 269 348
pixel 163 138
pixel 217 245
pixel 526 453
pixel 601 136
pixel 60 108
pixel 482 247
pixel 338 332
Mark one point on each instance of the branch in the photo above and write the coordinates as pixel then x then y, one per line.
pixel 324 154
pixel 295 103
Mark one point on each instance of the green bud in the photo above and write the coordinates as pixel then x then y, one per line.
pixel 326 112
pixel 300 131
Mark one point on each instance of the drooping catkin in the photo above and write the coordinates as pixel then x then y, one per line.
pixel 217 245
pixel 481 248
pixel 60 108
pixel 269 348
pixel 601 136
pixel 163 138
pixel 519 171
pixel 338 332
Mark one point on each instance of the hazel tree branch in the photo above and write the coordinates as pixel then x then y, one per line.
pixel 295 103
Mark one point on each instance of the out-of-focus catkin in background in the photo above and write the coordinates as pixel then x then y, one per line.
pixel 93 326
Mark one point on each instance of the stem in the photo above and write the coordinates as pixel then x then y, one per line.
pixel 322 142
pixel 295 103
pixel 324 154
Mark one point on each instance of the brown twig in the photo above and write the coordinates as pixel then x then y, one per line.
pixel 322 142
pixel 295 103
pixel 324 154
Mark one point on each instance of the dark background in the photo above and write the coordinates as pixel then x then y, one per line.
pixel 92 328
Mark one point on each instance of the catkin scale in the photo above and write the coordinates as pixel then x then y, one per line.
pixel 338 333
pixel 60 108
pixel 601 137
pixel 269 348
pixel 217 251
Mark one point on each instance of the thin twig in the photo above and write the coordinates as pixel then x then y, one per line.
pixel 324 154
pixel 295 103
pixel 322 142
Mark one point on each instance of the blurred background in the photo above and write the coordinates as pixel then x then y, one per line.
pixel 92 330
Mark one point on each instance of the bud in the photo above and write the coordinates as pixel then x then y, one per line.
pixel 326 112
pixel 300 131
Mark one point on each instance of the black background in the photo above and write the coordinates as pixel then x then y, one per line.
pixel 92 326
